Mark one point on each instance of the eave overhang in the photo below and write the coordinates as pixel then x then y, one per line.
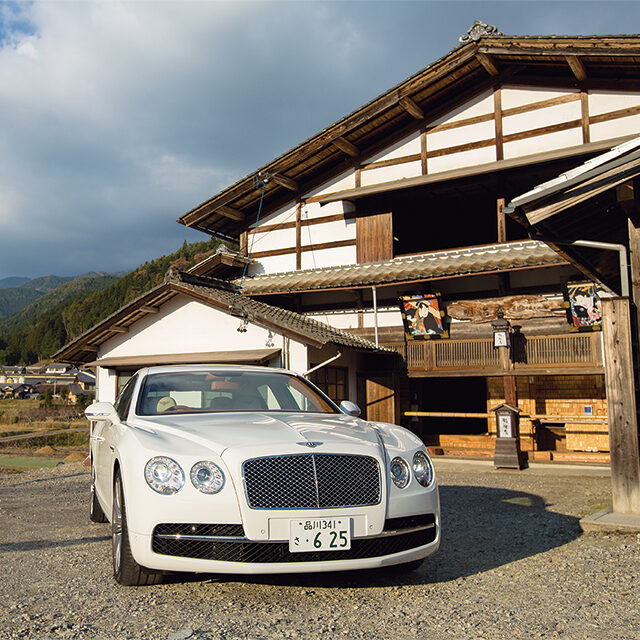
pixel 588 205
pixel 580 62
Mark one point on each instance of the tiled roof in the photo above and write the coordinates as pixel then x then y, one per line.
pixel 260 311
pixel 222 295
pixel 426 266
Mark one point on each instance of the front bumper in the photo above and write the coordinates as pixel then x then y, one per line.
pixel 224 549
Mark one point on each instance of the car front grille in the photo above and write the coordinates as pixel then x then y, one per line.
pixel 312 481
pixel 243 550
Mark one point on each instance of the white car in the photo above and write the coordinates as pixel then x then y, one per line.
pixel 234 469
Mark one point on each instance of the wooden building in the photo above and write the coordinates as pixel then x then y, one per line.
pixel 406 197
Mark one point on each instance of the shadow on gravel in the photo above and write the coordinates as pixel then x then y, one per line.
pixel 482 528
pixel 47 479
pixel 31 545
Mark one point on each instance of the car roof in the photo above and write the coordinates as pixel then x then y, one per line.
pixel 194 368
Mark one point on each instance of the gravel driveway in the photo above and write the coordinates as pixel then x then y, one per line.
pixel 513 564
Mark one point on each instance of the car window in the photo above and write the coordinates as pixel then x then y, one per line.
pixel 229 390
pixel 123 401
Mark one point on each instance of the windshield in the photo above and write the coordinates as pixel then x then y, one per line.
pixel 215 391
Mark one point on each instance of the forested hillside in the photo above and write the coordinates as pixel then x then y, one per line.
pixel 41 336
pixel 66 291
pixel 15 298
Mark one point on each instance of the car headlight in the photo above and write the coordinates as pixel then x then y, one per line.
pixel 164 475
pixel 207 477
pixel 423 468
pixel 400 472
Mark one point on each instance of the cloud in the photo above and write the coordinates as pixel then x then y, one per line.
pixel 118 117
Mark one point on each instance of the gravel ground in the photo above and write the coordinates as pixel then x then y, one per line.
pixel 513 564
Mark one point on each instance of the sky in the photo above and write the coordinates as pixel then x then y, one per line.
pixel 117 117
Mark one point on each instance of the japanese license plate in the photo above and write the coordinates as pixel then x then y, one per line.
pixel 320 534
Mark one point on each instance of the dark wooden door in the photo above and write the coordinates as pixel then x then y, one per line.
pixel 377 398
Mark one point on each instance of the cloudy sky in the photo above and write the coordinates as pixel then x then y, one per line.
pixel 116 117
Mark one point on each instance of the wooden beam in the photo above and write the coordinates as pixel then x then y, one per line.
pixel 487 62
pixel 412 108
pixel 621 406
pixel 117 329
pixel 285 182
pixel 229 212
pixel 577 68
pixel 148 309
pixel 344 145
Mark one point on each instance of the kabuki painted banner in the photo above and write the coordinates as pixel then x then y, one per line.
pixel 584 311
pixel 422 317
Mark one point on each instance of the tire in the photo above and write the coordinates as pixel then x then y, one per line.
pixel 96 513
pixel 126 570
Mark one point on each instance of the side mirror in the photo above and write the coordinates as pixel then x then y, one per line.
pixel 101 411
pixel 350 408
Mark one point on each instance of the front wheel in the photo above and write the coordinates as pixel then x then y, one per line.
pixel 126 570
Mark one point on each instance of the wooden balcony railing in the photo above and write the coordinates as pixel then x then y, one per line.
pixel 568 353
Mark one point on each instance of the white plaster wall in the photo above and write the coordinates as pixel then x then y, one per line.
pixel 387 317
pixel 328 232
pixel 346 180
pixel 273 264
pixel 184 325
pixel 462 135
pixel 387 174
pixel 542 117
pixel 285 214
pixel 106 385
pixel 462 159
pixel 519 96
pixel 276 238
pixel 548 142
pixel 406 147
pixel 328 257
pixel 605 101
pixel 615 128
pixel 479 106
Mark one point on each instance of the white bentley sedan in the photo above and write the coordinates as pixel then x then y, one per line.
pixel 233 469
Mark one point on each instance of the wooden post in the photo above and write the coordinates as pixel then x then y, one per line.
pixel 621 406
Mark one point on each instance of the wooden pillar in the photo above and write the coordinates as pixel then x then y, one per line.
pixel 621 405
pixel 502 224
pixel 510 390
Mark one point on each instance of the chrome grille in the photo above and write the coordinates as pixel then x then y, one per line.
pixel 312 481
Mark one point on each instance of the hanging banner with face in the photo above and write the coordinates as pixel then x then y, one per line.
pixel 584 311
pixel 422 317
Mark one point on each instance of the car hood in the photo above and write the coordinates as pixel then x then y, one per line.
pixel 221 431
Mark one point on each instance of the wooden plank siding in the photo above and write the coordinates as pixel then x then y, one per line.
pixel 374 235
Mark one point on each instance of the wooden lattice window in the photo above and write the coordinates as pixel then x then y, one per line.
pixel 334 381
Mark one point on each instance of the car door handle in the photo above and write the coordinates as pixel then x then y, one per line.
pixel 97 438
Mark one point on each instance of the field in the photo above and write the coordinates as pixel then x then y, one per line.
pixel 35 436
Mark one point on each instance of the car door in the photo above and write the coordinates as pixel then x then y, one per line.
pixel 104 440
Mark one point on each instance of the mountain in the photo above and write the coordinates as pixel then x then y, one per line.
pixel 13 281
pixel 15 298
pixel 36 334
pixel 44 284
pixel 67 290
